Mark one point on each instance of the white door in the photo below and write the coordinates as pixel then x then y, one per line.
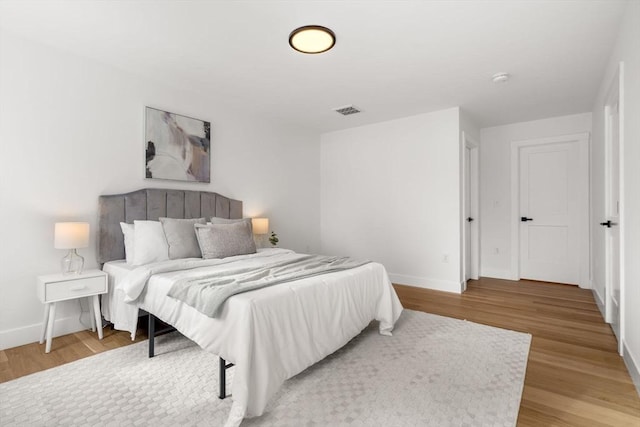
pixel 549 217
pixel 612 222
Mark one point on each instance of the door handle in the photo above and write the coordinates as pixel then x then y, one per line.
pixel 608 224
pixel 469 219
pixel 525 219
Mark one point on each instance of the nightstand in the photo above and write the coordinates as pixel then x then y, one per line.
pixel 61 287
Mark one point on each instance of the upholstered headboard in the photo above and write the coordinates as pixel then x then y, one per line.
pixel 151 204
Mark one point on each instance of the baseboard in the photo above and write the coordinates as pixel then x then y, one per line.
pixel 496 274
pixel 632 366
pixel 29 334
pixel 599 302
pixel 427 283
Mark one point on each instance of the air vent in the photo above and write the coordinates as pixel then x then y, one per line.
pixel 347 110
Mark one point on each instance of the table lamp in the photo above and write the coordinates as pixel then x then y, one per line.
pixel 260 225
pixel 71 236
pixel 260 229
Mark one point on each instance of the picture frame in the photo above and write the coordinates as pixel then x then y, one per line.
pixel 177 147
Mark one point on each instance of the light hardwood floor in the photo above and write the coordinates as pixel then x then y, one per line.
pixel 574 375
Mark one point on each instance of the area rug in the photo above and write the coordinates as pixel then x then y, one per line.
pixel 433 371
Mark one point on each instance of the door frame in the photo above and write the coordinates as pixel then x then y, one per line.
pixel 615 94
pixel 583 201
pixel 474 203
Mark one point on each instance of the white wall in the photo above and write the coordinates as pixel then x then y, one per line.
pixel 627 49
pixel 468 125
pixel 72 129
pixel 495 184
pixel 390 193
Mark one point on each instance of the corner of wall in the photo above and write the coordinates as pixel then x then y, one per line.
pixel 469 125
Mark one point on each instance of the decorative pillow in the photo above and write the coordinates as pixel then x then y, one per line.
pixel 129 241
pixel 150 243
pixel 225 240
pixel 216 220
pixel 181 237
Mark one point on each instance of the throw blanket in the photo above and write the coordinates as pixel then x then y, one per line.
pixel 207 293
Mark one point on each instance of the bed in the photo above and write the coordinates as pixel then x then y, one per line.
pixel 269 334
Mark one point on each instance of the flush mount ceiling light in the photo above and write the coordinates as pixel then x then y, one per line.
pixel 500 77
pixel 312 39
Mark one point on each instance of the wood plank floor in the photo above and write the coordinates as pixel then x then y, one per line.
pixel 574 375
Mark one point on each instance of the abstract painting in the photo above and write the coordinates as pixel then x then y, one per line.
pixel 178 147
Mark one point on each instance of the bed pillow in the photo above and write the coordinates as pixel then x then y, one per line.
pixel 216 220
pixel 225 240
pixel 150 244
pixel 181 237
pixel 129 241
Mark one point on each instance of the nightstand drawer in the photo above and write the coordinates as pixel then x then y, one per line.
pixel 56 291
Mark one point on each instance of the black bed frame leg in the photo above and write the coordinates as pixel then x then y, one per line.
pixel 222 392
pixel 223 366
pixel 152 334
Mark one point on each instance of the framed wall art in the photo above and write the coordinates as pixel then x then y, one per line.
pixel 177 147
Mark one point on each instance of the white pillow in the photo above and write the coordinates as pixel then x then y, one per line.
pixel 150 243
pixel 129 241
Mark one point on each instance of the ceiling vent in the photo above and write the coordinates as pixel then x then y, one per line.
pixel 347 110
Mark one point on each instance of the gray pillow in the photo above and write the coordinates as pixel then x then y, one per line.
pixel 181 237
pixel 216 220
pixel 225 240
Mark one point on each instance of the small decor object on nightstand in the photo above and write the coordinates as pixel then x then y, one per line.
pixel 71 236
pixel 61 287
pixel 273 239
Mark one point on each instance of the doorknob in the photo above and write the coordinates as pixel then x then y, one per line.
pixel 525 219
pixel 469 219
pixel 608 224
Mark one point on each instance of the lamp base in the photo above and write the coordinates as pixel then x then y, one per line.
pixel 72 263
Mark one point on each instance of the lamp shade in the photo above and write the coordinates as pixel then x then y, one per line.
pixel 260 225
pixel 71 235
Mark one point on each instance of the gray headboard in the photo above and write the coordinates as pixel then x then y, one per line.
pixel 151 204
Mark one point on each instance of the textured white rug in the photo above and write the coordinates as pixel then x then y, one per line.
pixel 434 371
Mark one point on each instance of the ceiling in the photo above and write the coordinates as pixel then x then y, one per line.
pixel 392 58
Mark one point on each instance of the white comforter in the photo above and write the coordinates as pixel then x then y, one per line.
pixel 271 334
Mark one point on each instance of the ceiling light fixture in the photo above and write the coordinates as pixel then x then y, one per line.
pixel 312 39
pixel 500 77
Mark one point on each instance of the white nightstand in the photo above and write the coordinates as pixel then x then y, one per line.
pixel 58 287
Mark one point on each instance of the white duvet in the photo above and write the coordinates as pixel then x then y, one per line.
pixel 270 334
